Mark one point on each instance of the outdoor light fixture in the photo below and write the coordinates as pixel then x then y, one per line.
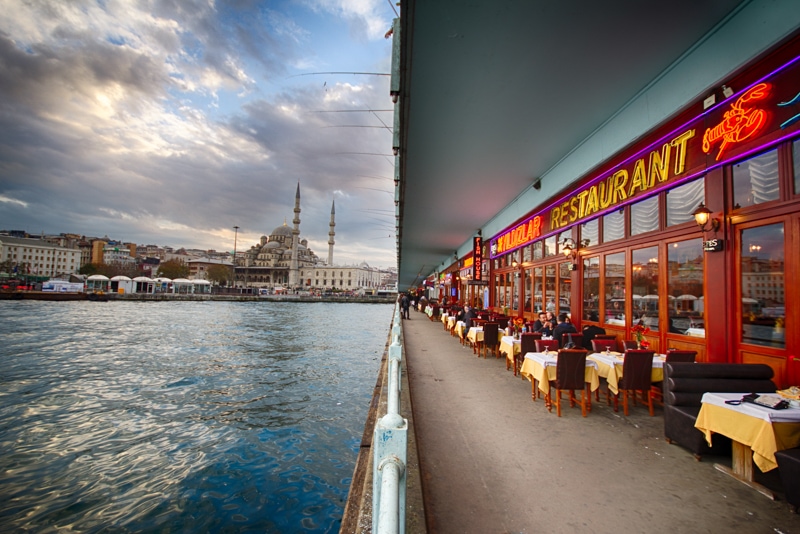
pixel 568 247
pixel 702 216
pixel 727 91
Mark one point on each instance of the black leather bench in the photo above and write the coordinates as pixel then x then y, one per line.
pixel 684 385
pixel 789 469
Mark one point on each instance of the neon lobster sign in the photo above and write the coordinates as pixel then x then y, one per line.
pixel 740 122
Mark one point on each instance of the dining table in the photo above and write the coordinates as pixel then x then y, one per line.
pixel 510 346
pixel 540 369
pixel 474 337
pixel 610 364
pixel 756 433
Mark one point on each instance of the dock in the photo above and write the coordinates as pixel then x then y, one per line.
pixel 491 460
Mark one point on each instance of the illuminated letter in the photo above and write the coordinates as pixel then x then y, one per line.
pixel 659 165
pixel 620 180
pixel 555 218
pixel 680 150
pixel 639 180
pixel 593 203
pixel 573 209
pixel 582 198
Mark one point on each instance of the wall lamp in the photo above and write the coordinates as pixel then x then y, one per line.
pixel 702 216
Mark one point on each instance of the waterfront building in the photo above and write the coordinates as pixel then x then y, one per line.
pixel 23 256
pixel 198 267
pixel 630 194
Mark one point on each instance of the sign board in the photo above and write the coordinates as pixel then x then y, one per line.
pixel 713 245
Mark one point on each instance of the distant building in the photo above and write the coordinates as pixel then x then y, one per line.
pixel 198 268
pixel 22 256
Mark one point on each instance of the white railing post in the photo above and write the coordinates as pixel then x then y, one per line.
pixel 390 443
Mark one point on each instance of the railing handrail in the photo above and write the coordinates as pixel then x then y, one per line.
pixel 390 448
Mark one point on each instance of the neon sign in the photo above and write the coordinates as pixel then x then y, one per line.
pixel 739 123
pixel 477 254
pixel 519 235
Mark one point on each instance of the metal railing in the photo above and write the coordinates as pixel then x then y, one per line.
pixel 390 446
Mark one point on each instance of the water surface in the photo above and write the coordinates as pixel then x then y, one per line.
pixel 183 416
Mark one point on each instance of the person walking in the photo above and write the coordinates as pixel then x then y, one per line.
pixel 405 302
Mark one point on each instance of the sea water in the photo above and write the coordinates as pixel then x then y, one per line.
pixel 183 416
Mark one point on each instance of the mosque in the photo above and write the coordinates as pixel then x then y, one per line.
pixel 284 261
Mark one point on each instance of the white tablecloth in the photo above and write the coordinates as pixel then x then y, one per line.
pixel 789 415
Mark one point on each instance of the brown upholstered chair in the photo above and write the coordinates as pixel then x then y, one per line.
pixel 637 372
pixel 600 345
pixel 490 339
pixel 527 343
pixel 630 344
pixel 575 339
pixel 549 344
pixel 570 376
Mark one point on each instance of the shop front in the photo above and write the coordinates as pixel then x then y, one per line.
pixel 692 233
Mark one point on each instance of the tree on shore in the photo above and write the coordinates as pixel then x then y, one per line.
pixel 173 269
pixel 219 274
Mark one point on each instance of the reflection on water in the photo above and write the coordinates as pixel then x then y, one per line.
pixel 190 416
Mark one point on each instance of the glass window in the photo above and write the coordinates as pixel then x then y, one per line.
pixel 762 282
pixel 756 180
pixel 537 289
pixel 526 254
pixel 796 154
pixel 614 294
pixel 613 226
pixel 590 233
pixel 550 246
pixel 537 250
pixel 644 287
pixel 591 289
pixel 528 281
pixel 644 216
pixel 514 297
pixel 683 200
pixel 685 287
pixel 564 287
pixel 550 288
pixel 560 239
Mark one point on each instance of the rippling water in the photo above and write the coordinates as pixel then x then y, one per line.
pixel 183 416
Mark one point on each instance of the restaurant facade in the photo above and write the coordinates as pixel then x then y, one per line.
pixel 692 232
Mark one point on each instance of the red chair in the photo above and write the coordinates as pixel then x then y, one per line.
pixel 637 372
pixel 548 344
pixel 527 343
pixel 570 376
pixel 601 345
pixel 491 339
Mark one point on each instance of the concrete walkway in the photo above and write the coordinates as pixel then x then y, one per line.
pixel 494 461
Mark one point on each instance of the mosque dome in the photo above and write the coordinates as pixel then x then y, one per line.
pixel 282 231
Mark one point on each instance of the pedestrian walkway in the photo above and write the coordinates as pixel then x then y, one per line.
pixel 494 461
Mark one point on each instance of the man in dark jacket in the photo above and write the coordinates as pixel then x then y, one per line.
pixel 469 315
pixel 405 302
pixel 563 327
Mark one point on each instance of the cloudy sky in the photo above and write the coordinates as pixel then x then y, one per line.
pixel 169 122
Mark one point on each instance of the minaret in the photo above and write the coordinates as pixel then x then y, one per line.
pixel 331 233
pixel 294 278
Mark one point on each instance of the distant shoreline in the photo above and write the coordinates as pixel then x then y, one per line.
pixel 166 297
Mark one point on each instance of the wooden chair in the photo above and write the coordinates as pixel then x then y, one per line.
pixel 527 343
pixel 630 344
pixel 575 339
pixel 600 345
pixel 490 339
pixel 636 376
pixel 570 376
pixel 549 344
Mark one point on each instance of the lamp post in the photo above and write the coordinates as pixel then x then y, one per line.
pixel 235 235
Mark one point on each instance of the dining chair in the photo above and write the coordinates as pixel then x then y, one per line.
pixel 600 345
pixel 637 372
pixel 630 344
pixel 570 376
pixel 491 339
pixel 527 343
pixel 549 344
pixel 673 356
pixel 575 339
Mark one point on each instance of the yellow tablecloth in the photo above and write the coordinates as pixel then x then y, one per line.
pixel 532 369
pixel 763 436
pixel 460 327
pixel 474 335
pixel 612 373
pixel 510 347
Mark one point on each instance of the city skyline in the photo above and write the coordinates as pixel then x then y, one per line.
pixel 171 124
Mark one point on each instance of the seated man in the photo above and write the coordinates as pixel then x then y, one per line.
pixel 469 315
pixel 563 327
pixel 538 324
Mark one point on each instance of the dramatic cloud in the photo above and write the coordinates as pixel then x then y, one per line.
pixel 169 122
